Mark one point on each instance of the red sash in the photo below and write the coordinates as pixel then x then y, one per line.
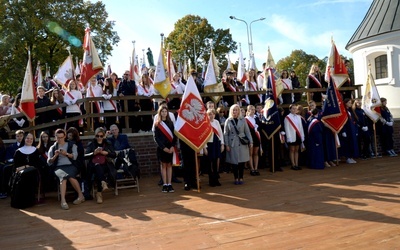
pixel 254 88
pixel 251 125
pixel 215 130
pixel 294 126
pixel 170 136
pixel 59 110
pixel 313 122
pixel 315 80
pixel 286 84
pixel 80 121
pixel 98 105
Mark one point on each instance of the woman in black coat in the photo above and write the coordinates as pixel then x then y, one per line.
pixel 100 153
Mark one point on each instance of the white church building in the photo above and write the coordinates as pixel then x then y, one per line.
pixel 376 42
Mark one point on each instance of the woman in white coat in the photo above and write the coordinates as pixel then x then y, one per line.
pixel 237 153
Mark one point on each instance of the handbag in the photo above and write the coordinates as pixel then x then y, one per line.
pixel 243 139
pixel 99 159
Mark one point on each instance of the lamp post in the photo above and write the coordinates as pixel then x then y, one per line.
pixel 249 35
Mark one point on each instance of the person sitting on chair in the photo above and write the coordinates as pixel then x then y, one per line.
pixel 100 152
pixel 61 156
pixel 119 141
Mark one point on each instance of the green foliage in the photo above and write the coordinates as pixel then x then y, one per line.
pixel 191 38
pixel 300 62
pixel 46 28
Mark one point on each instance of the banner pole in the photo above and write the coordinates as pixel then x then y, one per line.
pixel 375 145
pixel 273 154
pixel 197 173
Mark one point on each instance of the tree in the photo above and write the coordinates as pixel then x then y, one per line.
pixel 300 62
pixel 46 29
pixel 191 38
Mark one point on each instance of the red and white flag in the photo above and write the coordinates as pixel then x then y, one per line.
pixel 38 80
pixel 66 72
pixel 193 125
pixel 338 70
pixel 91 64
pixel 241 73
pixel 28 95
pixel 134 67
pixel 170 65
pixel 78 66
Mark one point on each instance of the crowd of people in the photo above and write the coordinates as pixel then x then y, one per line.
pixel 237 144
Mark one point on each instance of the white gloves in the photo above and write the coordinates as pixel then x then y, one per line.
pixel 107 97
pixel 344 134
pixel 21 122
pixel 389 124
pixel 365 128
pixel 283 133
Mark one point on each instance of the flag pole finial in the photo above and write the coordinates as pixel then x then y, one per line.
pixel 68 48
pixel 162 38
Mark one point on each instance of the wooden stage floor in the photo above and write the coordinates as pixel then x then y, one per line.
pixel 352 206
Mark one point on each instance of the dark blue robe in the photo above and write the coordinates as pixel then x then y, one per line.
pixel 315 145
pixel 349 144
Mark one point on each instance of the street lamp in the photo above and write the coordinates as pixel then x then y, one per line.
pixel 249 37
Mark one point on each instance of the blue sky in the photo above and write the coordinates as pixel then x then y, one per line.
pixel 288 25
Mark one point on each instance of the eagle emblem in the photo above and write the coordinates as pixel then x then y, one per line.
pixel 193 111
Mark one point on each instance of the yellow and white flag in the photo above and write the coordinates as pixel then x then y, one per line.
pixel 211 83
pixel 161 80
pixel 371 99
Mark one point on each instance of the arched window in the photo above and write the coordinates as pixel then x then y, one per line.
pixel 381 67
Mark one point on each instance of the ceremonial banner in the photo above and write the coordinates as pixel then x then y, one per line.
pixel 271 122
pixel 371 99
pixel 334 112
pixel 161 80
pixel 272 79
pixel 241 72
pixel 65 72
pixel 28 94
pixel 134 67
pixel 193 125
pixel 170 65
pixel 337 68
pixel 38 80
pixel 211 85
pixel 91 65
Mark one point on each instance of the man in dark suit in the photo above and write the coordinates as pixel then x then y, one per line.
pixel 127 87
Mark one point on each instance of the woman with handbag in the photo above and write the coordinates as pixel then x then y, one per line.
pixel 237 138
pixel 100 153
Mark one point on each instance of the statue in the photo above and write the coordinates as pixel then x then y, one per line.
pixel 150 57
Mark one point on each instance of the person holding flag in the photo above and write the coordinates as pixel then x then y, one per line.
pixel 166 146
pixel 215 147
pixel 363 126
pixel 387 129
pixel 348 135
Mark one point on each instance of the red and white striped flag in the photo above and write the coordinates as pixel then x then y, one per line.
pixel 28 94
pixel 38 80
pixel 91 65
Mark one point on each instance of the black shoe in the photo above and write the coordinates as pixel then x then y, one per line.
pixel 164 189
pixel 256 172
pixel 299 167
pixel 217 183
pixel 212 184
pixel 295 168
pixel 160 182
pixel 170 189
pixel 187 187
pixel 176 180
pixel 252 173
